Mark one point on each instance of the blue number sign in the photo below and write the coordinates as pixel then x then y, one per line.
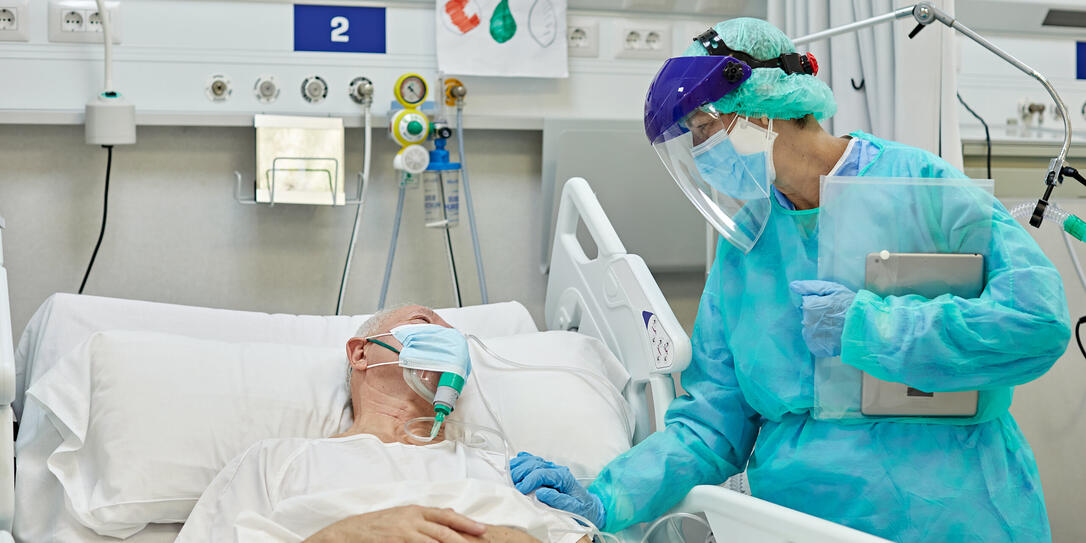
pixel 339 29
pixel 1080 59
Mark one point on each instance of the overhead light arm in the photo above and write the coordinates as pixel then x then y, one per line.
pixel 925 14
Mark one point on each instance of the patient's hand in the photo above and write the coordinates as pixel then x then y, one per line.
pixel 405 524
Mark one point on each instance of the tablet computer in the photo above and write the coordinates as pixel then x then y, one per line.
pixel 930 275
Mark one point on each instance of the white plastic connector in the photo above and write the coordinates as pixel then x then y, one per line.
pixel 14 20
pixel 110 120
pixel 79 21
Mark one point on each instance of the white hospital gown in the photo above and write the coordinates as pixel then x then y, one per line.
pixel 288 489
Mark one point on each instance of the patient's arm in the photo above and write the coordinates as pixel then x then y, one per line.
pixel 414 523
pixel 408 524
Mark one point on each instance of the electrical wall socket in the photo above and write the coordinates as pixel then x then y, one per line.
pixel 14 20
pixel 79 21
pixel 644 39
pixel 583 38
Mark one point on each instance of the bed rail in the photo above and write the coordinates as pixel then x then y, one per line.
pixel 738 517
pixel 615 299
pixel 7 395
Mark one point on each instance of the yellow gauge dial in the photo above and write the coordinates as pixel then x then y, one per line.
pixel 410 90
pixel 409 126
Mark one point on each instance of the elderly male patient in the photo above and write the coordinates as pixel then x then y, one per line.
pixel 371 483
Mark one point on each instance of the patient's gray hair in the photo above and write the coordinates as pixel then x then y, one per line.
pixel 371 327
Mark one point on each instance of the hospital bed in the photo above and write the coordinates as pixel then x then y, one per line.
pixel 610 297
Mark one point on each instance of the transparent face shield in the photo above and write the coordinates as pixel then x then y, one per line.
pixel 724 165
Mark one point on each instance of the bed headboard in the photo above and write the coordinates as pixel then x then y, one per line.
pixel 615 299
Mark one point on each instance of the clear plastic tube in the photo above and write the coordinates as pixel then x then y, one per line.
pixel 593 530
pixel 1056 214
pixel 1052 212
pixel 594 380
pixel 671 517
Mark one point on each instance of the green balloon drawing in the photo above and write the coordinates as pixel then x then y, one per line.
pixel 502 24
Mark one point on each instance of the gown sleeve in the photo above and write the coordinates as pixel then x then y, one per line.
pixel 1011 334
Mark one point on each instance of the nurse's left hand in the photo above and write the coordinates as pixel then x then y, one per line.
pixel 824 306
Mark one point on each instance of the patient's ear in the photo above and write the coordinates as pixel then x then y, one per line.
pixel 356 353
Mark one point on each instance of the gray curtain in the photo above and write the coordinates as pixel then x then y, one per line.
pixel 885 83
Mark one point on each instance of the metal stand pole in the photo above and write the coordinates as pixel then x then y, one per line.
pixel 448 242
pixel 392 245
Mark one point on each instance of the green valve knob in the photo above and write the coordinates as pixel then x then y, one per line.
pixel 415 128
pixel 1076 227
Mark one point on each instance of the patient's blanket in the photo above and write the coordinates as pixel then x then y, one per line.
pixel 288 489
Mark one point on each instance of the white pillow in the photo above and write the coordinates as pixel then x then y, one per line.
pixel 149 419
pixel 581 422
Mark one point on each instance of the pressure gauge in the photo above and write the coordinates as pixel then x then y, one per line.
pixel 410 90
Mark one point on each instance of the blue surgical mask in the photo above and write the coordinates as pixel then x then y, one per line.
pixel 744 176
pixel 432 347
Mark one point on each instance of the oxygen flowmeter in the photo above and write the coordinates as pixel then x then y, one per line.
pixel 409 126
pixel 442 178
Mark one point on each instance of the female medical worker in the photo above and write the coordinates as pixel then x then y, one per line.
pixel 742 141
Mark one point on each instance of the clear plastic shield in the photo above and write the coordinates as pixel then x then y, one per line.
pixel 724 166
pixel 900 237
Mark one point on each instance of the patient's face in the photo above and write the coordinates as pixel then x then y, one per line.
pixel 412 314
pixel 373 353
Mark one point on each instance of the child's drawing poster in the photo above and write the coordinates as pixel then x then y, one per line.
pixel 512 38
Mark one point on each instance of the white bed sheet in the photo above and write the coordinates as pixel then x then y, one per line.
pixel 66 320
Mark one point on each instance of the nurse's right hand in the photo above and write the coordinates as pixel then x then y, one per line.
pixel 555 486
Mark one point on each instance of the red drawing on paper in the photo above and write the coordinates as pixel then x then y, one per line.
pixel 462 15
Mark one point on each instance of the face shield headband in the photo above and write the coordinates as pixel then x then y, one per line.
pixel 791 63
pixel 684 84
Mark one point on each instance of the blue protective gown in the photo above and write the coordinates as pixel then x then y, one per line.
pixel 750 388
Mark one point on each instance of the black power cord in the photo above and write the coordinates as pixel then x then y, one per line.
pixel 1078 338
pixel 987 136
pixel 105 212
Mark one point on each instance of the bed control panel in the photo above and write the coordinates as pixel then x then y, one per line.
pixel 659 341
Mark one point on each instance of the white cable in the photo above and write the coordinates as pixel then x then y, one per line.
pixel 108 40
pixel 366 147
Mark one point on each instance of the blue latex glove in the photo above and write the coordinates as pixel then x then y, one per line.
pixel 555 486
pixel 824 306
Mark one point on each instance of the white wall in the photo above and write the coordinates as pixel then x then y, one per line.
pixel 175 233
pixel 1052 410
